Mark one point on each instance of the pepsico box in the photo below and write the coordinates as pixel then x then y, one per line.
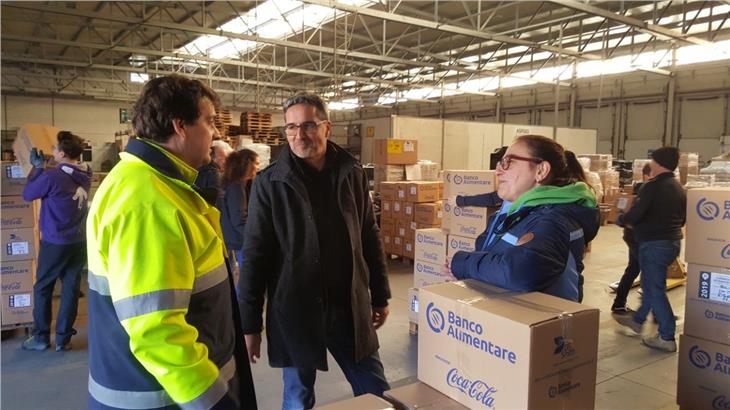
pixel 489 348
pixel 708 226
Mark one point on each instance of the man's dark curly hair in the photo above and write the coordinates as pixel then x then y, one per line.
pixel 168 98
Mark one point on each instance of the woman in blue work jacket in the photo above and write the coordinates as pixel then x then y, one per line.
pixel 537 242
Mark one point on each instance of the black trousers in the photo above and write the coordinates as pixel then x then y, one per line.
pixel 58 262
pixel 630 273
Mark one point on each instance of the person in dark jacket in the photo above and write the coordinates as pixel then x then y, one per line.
pixel 238 174
pixel 312 248
pixel 632 269
pixel 538 244
pixel 209 175
pixel 64 192
pixel 657 217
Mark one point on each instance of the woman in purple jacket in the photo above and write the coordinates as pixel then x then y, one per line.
pixel 64 192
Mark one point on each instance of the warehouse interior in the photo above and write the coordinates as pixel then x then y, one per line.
pixel 455 80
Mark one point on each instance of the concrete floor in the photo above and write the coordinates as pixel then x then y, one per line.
pixel 630 376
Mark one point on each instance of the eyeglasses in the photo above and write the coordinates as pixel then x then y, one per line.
pixel 506 160
pixel 308 127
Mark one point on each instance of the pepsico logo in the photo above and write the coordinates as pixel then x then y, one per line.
pixel 707 210
pixel 435 318
pixel 699 358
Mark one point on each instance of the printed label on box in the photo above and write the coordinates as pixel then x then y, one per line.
pixel 20 300
pixel 18 248
pixel 621 204
pixel 395 147
pixel 714 286
pixel 14 171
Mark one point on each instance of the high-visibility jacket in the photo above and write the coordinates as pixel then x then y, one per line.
pixel 163 325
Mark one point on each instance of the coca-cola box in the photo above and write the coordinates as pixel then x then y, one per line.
pixel 490 348
pixel 17 292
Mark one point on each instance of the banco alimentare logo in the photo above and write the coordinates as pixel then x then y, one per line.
pixel 454 244
pixel 707 210
pixel 699 358
pixel 458 179
pixel 419 237
pixel 457 211
pixel 435 318
pixel 725 253
pixel 419 267
pixel 563 347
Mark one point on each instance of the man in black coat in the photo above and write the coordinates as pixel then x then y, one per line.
pixel 312 248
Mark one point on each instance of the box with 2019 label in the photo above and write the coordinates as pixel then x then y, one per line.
pixel 489 348
pixel 707 308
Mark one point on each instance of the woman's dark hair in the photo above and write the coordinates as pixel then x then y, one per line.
pixel 237 166
pixel 564 166
pixel 70 144
pixel 646 170
pixel 165 99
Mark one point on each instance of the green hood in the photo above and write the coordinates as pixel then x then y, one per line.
pixel 578 193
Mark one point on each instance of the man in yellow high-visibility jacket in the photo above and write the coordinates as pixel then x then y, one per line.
pixel 164 328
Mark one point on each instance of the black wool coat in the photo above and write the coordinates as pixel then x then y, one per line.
pixel 282 263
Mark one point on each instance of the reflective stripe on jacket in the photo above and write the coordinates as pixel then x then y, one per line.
pixel 159 292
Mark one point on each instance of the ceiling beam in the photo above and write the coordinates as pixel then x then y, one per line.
pixel 640 25
pixel 449 28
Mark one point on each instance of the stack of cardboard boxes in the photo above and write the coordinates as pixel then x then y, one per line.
pixel 390 157
pixel 689 165
pixel 19 245
pixel 704 348
pixel 406 207
pixel 460 227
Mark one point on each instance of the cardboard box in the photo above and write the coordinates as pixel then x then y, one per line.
pixel 487 347
pixel 397 211
pixel 408 211
pixel 427 273
pixel 431 245
pixel 703 378
pixel 621 205
pixel 43 137
pixel 414 226
pixel 388 191
pixel 387 244
pixel 402 227
pixel 397 246
pixel 468 221
pixel 386 209
pixel 401 191
pixel 17 292
pixel 413 305
pixel 457 243
pixel 429 213
pixel 465 182
pixel 422 191
pixel 364 402
pixel 387 226
pixel 420 396
pixel 395 151
pixel 13 179
pixel 18 244
pixel 387 173
pixel 708 226
pixel 446 206
pixel 409 248
pixel 707 306
pixel 16 213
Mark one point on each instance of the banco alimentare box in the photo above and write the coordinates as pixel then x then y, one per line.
pixel 489 348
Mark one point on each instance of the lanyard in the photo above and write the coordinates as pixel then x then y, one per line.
pixel 499 218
